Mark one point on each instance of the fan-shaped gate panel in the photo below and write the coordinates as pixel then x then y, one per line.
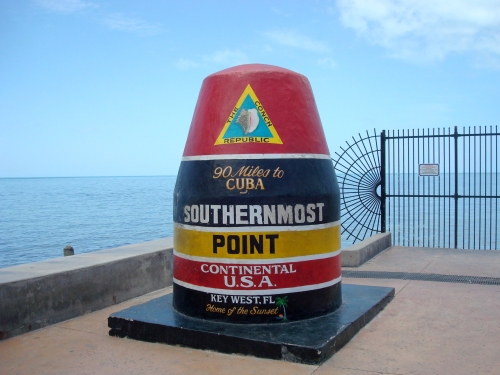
pixel 358 171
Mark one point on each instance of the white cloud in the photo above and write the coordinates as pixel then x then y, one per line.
pixel 185 64
pixel 293 39
pixel 327 62
pixel 65 6
pixel 280 13
pixel 120 22
pixel 488 62
pixel 227 57
pixel 426 29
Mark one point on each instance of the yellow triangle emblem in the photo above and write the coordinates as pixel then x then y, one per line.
pixel 248 123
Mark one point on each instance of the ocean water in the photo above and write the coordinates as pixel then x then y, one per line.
pixel 430 221
pixel 40 216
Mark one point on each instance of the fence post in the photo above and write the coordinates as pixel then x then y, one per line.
pixel 382 181
pixel 455 137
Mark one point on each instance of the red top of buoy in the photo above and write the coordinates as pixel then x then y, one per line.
pixel 256 109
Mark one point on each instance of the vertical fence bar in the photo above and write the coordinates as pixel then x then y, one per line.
pixel 496 189
pixel 463 184
pixel 491 185
pixel 408 199
pixel 399 191
pixel 455 137
pixel 382 182
pixel 483 203
pixel 403 189
pixel 429 188
pixel 484 192
pixel 418 186
pixel 434 199
pixel 474 187
pixel 480 187
pixel 469 174
pixel 413 189
pixel 393 177
pixel 449 185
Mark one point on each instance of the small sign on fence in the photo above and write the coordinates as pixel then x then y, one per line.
pixel 428 169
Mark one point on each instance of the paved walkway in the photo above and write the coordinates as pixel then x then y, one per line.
pixel 429 328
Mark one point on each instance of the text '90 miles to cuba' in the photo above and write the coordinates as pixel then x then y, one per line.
pixel 246 178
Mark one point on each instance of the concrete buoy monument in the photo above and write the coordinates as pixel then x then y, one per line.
pixel 256 204
pixel 256 256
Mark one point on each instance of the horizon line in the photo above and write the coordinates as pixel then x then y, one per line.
pixel 33 177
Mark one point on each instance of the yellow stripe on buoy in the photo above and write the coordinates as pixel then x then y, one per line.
pixel 259 244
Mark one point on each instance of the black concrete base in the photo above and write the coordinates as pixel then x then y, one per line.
pixel 310 341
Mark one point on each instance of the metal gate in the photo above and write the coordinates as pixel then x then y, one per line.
pixel 430 188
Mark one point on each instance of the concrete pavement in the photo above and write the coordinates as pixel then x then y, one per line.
pixel 429 328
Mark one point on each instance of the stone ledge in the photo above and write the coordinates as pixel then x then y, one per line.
pixel 357 254
pixel 36 295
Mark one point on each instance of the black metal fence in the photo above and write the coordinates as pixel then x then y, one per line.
pixel 431 188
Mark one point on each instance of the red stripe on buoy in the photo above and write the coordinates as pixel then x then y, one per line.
pixel 257 276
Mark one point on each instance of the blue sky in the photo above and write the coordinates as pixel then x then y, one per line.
pixel 108 88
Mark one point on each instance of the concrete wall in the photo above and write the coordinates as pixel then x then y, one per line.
pixel 357 254
pixel 35 295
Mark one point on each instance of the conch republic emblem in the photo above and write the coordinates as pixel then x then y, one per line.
pixel 248 122
pixel 256 203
